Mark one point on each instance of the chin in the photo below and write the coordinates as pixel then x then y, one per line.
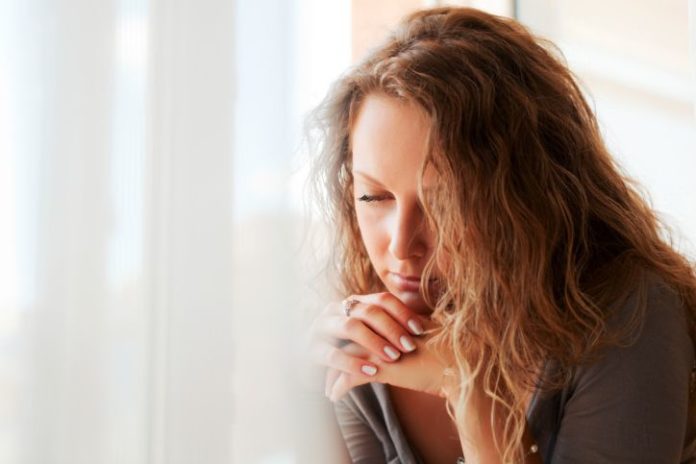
pixel 413 300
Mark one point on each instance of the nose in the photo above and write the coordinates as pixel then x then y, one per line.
pixel 407 239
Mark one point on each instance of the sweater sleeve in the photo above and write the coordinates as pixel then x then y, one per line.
pixel 631 405
pixel 363 445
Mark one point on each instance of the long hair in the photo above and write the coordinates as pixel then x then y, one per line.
pixel 538 232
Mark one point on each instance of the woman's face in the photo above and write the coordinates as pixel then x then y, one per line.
pixel 389 147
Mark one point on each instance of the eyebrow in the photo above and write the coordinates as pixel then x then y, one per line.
pixel 375 181
pixel 368 177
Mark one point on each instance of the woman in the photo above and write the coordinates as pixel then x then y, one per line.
pixel 509 295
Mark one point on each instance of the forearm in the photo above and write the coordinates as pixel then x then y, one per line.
pixel 476 434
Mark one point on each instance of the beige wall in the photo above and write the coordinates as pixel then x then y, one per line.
pixel 372 21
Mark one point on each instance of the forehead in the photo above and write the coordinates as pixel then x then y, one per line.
pixel 389 139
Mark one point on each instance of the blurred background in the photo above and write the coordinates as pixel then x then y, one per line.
pixel 157 262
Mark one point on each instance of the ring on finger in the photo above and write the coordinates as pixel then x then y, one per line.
pixel 348 305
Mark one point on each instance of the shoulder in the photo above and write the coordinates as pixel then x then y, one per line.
pixel 631 403
pixel 654 328
pixel 660 320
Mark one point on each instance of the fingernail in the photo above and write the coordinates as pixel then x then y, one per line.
pixel 369 370
pixel 415 326
pixel 407 343
pixel 391 352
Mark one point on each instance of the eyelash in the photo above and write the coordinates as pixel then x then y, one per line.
pixel 371 198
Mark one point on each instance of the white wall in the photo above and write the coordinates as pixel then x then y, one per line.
pixel 637 65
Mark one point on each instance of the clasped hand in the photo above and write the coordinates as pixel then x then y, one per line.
pixel 381 341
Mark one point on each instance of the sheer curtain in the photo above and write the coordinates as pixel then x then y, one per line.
pixel 117 240
pixel 76 341
pixel 151 215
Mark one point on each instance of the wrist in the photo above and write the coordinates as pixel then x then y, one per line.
pixel 449 387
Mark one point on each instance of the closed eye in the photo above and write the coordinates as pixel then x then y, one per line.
pixel 371 198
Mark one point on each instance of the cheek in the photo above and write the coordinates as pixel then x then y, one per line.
pixel 373 232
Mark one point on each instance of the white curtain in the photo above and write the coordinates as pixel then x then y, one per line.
pixel 116 165
pixel 150 218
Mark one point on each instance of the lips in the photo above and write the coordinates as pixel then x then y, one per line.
pixel 405 283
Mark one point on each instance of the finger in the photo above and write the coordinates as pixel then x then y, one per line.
pixel 342 385
pixel 331 377
pixel 381 322
pixel 318 327
pixel 356 330
pixel 396 309
pixel 328 355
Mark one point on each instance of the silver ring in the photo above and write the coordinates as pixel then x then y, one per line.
pixel 348 304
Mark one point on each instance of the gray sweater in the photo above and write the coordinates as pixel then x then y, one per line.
pixel 635 405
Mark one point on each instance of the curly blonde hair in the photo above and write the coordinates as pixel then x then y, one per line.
pixel 539 234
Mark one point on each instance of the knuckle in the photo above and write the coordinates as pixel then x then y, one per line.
pixel 395 331
pixel 371 310
pixel 352 324
pixel 356 366
pixel 362 332
pixel 369 340
pixel 352 349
